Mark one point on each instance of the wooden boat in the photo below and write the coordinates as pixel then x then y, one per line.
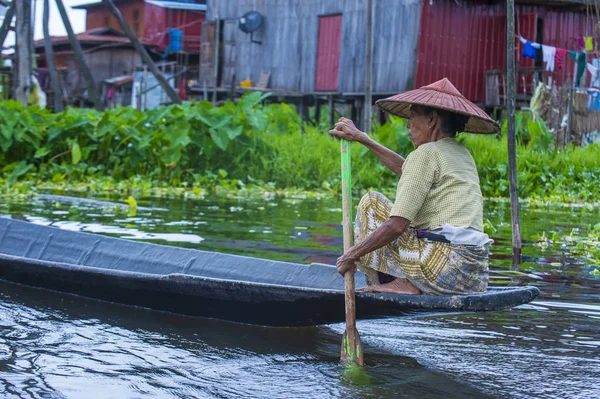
pixel 208 284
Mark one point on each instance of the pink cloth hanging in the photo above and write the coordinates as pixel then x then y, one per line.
pixel 560 54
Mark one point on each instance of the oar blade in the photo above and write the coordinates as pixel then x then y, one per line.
pixel 352 352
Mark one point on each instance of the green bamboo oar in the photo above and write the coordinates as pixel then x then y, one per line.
pixel 351 346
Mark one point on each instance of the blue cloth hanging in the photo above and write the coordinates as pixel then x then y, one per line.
pixel 529 51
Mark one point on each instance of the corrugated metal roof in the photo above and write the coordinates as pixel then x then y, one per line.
pixel 172 4
pixel 177 5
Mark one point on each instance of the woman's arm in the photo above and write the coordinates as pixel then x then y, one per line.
pixel 346 130
pixel 391 229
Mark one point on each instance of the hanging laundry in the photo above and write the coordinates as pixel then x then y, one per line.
pixel 549 53
pixel 560 54
pixel 589 45
pixel 581 42
pixel 579 58
pixel 593 71
pixel 596 63
pixel 529 51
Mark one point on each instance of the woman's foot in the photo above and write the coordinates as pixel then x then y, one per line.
pixel 398 286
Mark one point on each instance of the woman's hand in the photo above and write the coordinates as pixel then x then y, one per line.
pixel 346 130
pixel 347 262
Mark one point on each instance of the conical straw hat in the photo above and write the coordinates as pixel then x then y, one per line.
pixel 443 95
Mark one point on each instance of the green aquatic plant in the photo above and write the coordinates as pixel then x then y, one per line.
pixel 191 145
pixel 580 244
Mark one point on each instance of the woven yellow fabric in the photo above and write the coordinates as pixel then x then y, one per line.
pixel 439 185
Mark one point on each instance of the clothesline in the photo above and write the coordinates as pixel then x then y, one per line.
pixel 553 56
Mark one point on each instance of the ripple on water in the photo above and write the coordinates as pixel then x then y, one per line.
pixel 54 345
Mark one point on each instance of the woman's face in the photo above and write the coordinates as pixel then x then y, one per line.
pixel 419 125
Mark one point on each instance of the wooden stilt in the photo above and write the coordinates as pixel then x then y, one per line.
pixel 80 57
pixel 317 111
pixel 23 51
pixel 512 153
pixel 142 51
pixel 58 100
pixel 331 111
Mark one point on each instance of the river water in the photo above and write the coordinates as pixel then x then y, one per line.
pixel 54 345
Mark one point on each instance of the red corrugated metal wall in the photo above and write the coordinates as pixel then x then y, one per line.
pixel 463 41
pixel 157 24
pixel 328 53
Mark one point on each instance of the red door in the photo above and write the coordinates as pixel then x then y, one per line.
pixel 328 53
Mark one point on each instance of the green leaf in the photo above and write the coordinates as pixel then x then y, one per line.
pixel 75 153
pixel 19 170
pixel 220 138
pixel 257 119
pixel 234 131
pixel 171 156
pixel 42 152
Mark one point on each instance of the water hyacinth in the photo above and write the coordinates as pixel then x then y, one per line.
pixel 192 144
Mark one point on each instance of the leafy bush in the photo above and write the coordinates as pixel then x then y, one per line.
pixel 197 144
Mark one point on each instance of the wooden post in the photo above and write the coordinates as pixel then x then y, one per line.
pixel 318 111
pixel 80 57
pixel 8 16
pixel 216 55
pixel 142 51
pixel 23 51
pixel 58 100
pixel 512 150
pixel 331 111
pixel 368 67
pixel 570 106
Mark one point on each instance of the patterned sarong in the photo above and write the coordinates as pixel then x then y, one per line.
pixel 435 268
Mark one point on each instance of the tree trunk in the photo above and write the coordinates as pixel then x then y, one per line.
pixel 23 51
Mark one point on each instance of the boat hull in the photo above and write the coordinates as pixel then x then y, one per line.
pixel 200 283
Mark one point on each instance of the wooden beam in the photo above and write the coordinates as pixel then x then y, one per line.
pixel 58 100
pixel 368 68
pixel 80 57
pixel 8 16
pixel 512 150
pixel 142 51
pixel 23 51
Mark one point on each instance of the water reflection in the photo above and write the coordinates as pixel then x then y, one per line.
pixel 54 345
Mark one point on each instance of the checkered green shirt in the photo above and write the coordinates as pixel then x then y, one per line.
pixel 439 185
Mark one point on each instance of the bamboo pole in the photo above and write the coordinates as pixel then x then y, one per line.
pixel 8 16
pixel 512 153
pixel 23 51
pixel 142 51
pixel 80 57
pixel 58 100
pixel 368 68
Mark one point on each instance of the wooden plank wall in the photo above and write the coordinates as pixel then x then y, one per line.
pixel 289 42
pixel 108 63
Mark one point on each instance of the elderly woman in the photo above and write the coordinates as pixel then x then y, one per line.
pixel 430 240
